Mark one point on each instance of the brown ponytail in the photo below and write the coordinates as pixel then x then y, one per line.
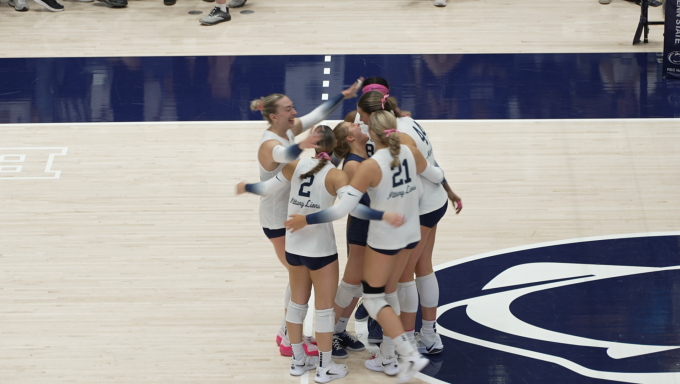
pixel 372 101
pixel 380 122
pixel 326 145
pixel 342 148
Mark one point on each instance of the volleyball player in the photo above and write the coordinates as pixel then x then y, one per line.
pixel 390 177
pixel 312 253
pixel 433 206
pixel 277 148
pixel 351 147
pixel 374 330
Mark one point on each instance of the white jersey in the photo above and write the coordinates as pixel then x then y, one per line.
pixel 433 195
pixel 397 192
pixel 307 196
pixel 273 208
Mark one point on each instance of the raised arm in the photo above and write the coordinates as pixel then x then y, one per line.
pixel 324 110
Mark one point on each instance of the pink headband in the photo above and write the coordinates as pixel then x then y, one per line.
pixel 375 87
pixel 323 155
pixel 259 108
pixel 388 132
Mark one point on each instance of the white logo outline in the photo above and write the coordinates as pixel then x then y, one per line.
pixel 627 377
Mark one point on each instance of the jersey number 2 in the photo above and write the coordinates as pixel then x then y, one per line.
pixel 302 192
pixel 401 181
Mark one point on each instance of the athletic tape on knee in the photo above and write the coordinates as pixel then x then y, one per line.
pixel 408 296
pixel 428 289
pixel 296 313
pixel 393 301
pixel 286 297
pixel 325 320
pixel 346 293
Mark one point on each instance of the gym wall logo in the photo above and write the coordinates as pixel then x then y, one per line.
pixel 674 57
pixel 591 310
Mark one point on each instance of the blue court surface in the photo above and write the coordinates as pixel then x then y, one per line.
pixel 582 311
pixel 219 88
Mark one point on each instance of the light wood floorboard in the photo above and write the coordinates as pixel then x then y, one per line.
pixel 139 265
pixel 314 27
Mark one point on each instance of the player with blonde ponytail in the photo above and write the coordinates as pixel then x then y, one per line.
pixel 432 208
pixel 278 148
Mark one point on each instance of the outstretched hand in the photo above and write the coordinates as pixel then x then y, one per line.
pixel 394 219
pixel 310 141
pixel 295 223
pixel 352 91
pixel 241 188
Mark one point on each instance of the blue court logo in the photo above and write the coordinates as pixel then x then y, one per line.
pixel 579 311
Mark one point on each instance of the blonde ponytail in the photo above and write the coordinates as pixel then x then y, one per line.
pixel 384 125
pixel 267 105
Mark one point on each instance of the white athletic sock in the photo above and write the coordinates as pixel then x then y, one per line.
pixel 428 328
pixel 223 7
pixel 411 333
pixel 341 325
pixel 403 346
pixel 387 346
pixel 298 351
pixel 325 358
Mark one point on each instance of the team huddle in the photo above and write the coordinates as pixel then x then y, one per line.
pixel 393 193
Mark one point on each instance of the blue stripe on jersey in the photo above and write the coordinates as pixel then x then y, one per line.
pixel 365 200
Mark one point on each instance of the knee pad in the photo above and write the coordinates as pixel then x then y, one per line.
pixel 428 289
pixel 374 299
pixel 346 293
pixel 393 300
pixel 286 296
pixel 325 320
pixel 408 296
pixel 296 313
